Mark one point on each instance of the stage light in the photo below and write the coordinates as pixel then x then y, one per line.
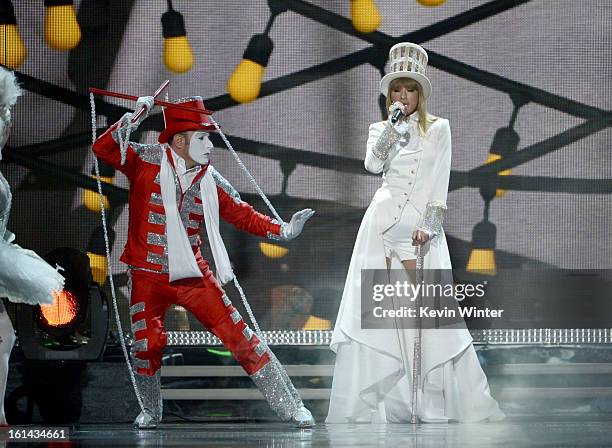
pixel 96 252
pixel 12 50
pixel 365 15
pixel 505 142
pixel 91 199
pixel 62 313
pixel 75 325
pixel 271 250
pixel 431 2
pixel 245 83
pixel 178 56
pixel 482 255
pixel 62 31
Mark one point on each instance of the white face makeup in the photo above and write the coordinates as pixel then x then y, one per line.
pixel 200 147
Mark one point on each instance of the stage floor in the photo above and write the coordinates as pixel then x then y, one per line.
pixel 569 431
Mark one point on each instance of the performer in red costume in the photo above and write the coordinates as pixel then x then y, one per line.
pixel 174 189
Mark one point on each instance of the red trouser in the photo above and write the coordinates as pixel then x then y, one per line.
pixel 151 296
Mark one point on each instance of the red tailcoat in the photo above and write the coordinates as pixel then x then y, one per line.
pixel 146 246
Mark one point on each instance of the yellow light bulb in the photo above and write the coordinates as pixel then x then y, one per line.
pixel 482 261
pixel 178 56
pixel 431 2
pixel 365 15
pixel 272 250
pixel 62 31
pixel 492 158
pixel 316 323
pixel 12 49
pixel 245 83
pixel 91 199
pixel 99 267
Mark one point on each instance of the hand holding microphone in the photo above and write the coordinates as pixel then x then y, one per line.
pixel 398 110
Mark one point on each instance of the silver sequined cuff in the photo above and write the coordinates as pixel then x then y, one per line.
pixel 385 142
pixel 282 236
pixel 119 134
pixel 433 218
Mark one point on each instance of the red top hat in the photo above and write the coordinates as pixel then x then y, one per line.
pixel 177 120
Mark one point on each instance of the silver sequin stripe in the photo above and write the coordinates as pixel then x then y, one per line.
pixel 140 346
pixel 158 259
pixel 161 240
pixel 139 325
pixel 248 333
pixel 385 142
pixel 140 363
pixel 225 184
pixel 148 153
pixel 273 236
pixel 260 348
pixel 156 199
pixel 190 206
pixel 137 308
pixel 157 218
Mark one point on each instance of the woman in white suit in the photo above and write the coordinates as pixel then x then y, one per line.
pixel 372 376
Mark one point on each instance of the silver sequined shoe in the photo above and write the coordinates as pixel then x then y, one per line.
pixel 302 418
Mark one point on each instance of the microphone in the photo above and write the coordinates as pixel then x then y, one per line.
pixel 396 116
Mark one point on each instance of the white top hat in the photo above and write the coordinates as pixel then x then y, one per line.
pixel 407 60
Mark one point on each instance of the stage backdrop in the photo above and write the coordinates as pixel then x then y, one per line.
pixel 542 69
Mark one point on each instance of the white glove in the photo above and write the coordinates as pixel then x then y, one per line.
pixel 292 229
pixel 146 102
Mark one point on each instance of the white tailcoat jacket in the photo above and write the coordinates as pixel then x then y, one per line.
pixel 380 360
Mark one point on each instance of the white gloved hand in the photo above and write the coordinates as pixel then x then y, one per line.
pixel 401 125
pixel 145 101
pixel 292 229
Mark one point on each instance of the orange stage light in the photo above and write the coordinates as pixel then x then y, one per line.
pixel 62 312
